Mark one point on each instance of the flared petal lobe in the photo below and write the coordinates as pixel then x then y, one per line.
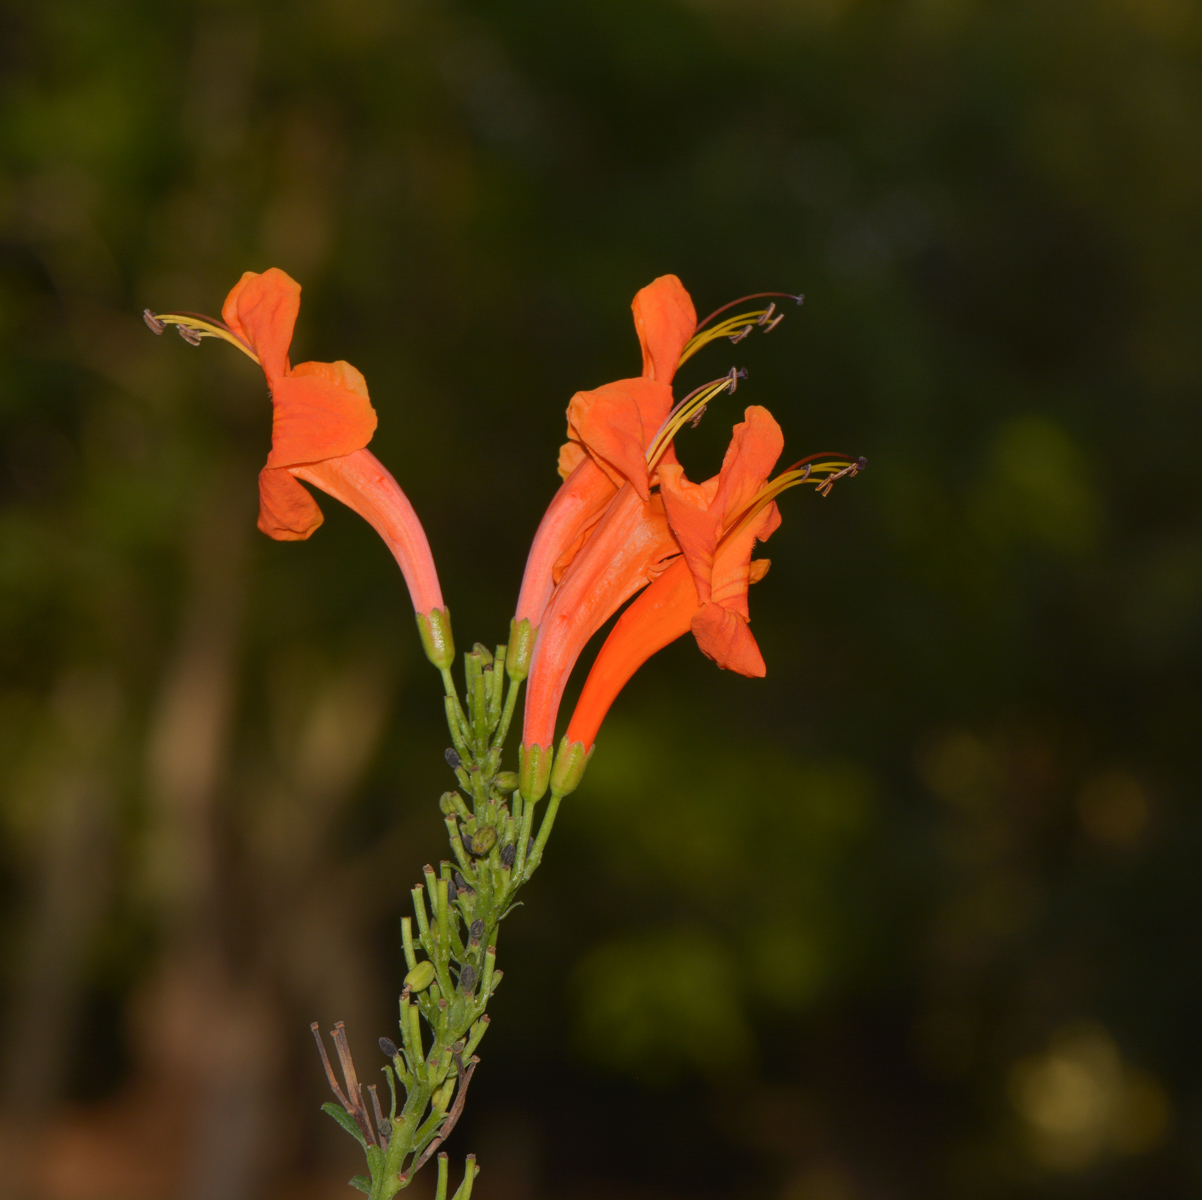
pixel 262 310
pixel 320 410
pixel 287 512
pixel 700 513
pixel 616 423
pixel 665 319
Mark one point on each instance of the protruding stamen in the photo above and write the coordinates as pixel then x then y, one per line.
pixel 193 327
pixel 739 326
pixel 836 468
pixel 690 410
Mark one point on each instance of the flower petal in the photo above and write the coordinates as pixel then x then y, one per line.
pixel 724 636
pixel 665 319
pixel 286 510
pixel 733 570
pixel 262 310
pixel 616 422
pixel 756 443
pixel 321 410
pixel 695 521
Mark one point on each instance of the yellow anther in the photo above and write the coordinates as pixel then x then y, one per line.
pixel 737 327
pixel 193 327
pixel 822 474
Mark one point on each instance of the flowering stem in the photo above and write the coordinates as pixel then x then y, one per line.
pixel 450 943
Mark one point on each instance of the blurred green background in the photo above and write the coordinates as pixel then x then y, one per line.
pixel 917 915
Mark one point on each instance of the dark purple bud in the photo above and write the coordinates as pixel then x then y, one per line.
pixel 467 980
pixel 477 929
pixel 453 759
pixel 388 1047
pixel 460 882
pixel 508 855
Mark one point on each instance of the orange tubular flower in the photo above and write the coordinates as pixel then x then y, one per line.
pixel 609 431
pixel 322 420
pixel 717 524
pixel 705 590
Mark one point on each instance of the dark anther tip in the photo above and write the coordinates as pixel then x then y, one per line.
pixel 189 335
pixel 453 759
pixel 388 1047
pixel 152 322
pixel 861 462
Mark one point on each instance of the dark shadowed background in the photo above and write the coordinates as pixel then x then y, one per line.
pixel 917 915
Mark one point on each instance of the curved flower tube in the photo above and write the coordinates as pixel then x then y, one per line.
pixel 628 548
pixel 322 421
pixel 609 431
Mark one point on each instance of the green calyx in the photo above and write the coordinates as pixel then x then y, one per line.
pixel 435 630
pixel 568 771
pixel 534 771
pixel 521 649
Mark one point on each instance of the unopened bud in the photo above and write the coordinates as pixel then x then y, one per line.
pixel 484 839
pixel 535 771
pixel 435 630
pixel 507 781
pixel 521 649
pixel 442 1097
pixel 484 652
pixel 508 855
pixel 420 977
pixel 477 930
pixel 388 1047
pixel 460 882
pixel 452 757
pixel 467 980
pixel 569 767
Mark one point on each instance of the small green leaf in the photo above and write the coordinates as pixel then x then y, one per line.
pixel 346 1121
pixel 375 1160
pixel 362 1183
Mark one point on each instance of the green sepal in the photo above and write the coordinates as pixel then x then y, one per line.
pixel 437 641
pixel 568 771
pixel 345 1120
pixel 534 771
pixel 520 649
pixel 361 1182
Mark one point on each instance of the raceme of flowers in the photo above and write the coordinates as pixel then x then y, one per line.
pixel 627 527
